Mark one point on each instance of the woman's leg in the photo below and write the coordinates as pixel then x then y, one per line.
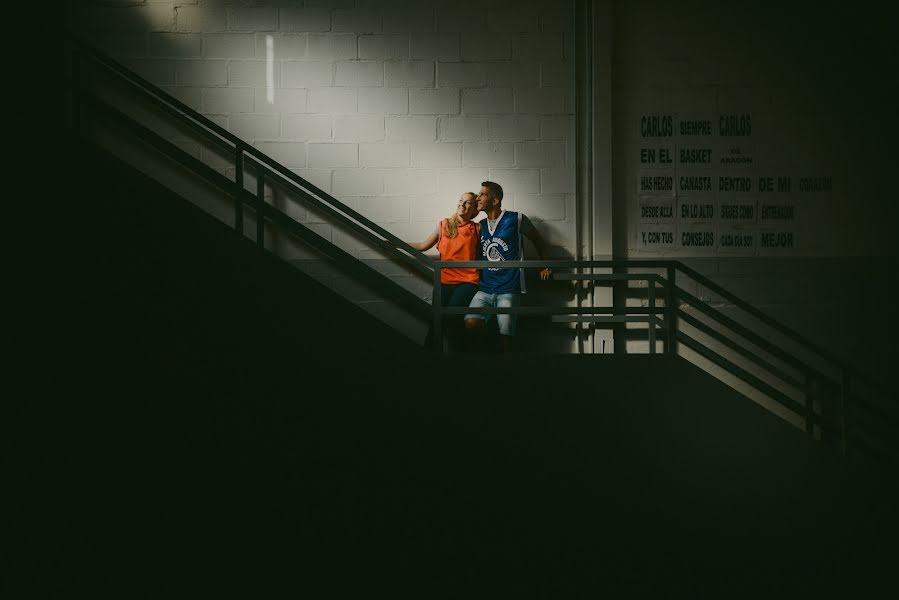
pixel 460 296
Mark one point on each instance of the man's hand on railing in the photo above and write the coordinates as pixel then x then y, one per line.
pixel 546 274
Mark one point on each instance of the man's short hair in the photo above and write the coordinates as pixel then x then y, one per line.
pixel 495 189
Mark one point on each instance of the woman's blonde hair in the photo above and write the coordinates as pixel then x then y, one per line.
pixel 451 229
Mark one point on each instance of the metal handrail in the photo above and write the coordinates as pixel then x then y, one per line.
pixel 365 273
pixel 777 326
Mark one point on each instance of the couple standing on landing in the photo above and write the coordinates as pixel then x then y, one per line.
pixel 496 238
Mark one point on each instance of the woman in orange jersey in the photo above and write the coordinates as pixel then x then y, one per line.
pixel 456 238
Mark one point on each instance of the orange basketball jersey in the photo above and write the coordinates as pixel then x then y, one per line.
pixel 462 247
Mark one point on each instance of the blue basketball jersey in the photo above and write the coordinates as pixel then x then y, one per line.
pixel 502 243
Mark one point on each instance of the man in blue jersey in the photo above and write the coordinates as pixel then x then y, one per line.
pixel 501 239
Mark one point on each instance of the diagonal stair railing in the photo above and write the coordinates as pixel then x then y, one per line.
pixel 83 63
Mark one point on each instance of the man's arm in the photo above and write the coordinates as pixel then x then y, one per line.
pixel 531 232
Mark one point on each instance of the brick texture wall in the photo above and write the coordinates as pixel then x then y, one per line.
pixel 393 107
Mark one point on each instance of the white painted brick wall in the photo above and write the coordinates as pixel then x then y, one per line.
pixel 201 72
pixel 395 105
pixel 487 101
pixel 517 181
pixel 437 155
pixel 541 207
pixel 437 46
pixel 385 210
pixel 192 97
pixel 285 46
pixel 412 129
pixel 429 209
pixel 175 45
pixel 359 128
pixel 463 18
pixel 540 154
pixel 556 74
pixel 537 46
pixel 384 154
pixel 252 18
pixel 229 45
pixel 405 182
pixel 332 46
pixel 307 73
pixel 384 101
pixel 513 129
pixel 228 100
pixel 540 101
pixel 358 182
pixel 205 18
pixel 462 129
pixel 255 127
pixel 394 46
pixel 494 47
pixel 410 74
pixel 557 128
pixel 512 18
pixel 332 100
pixel 333 155
pixel 283 101
pixel 416 17
pixel 306 127
pixel 358 20
pixel 304 19
pixel 488 154
pixel 251 73
pixel 557 181
pixel 434 102
pixel 320 178
pixel 359 73
pixel 457 74
pixel 556 18
pixel 452 182
pixel 513 74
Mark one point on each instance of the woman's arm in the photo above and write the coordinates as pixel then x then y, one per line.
pixel 426 244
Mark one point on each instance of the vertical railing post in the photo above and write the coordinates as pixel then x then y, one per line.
pixel 437 329
pixel 651 282
pixel 260 206
pixel 845 390
pixel 76 92
pixel 670 314
pixel 830 397
pixel 811 387
pixel 238 196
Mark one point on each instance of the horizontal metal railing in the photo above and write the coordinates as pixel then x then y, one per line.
pixel 830 414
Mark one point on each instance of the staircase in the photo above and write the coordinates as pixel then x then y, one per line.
pixel 262 431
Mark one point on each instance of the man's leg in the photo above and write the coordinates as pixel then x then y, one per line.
pixel 507 322
pixel 474 323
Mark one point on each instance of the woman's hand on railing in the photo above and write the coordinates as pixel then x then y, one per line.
pixel 546 274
